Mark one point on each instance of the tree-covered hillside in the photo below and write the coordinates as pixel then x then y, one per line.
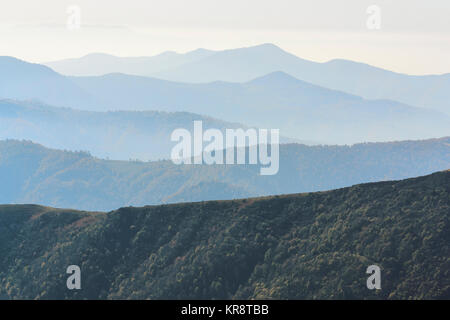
pixel 31 173
pixel 301 246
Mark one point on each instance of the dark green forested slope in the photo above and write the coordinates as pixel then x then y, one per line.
pixel 315 245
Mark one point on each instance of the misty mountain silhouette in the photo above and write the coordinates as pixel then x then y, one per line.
pixel 245 64
pixel 102 63
pixel 23 80
pixel 119 135
pixel 299 109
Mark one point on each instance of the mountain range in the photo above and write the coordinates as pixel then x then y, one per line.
pixel 32 173
pixel 119 135
pixel 222 231
pixel 299 109
pixel 300 246
pixel 246 64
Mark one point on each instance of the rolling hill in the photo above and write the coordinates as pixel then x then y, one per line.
pixel 34 174
pixel 119 135
pixel 300 246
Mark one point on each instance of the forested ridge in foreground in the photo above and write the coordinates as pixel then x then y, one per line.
pixel 300 246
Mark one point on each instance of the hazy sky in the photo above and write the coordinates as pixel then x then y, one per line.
pixel 414 35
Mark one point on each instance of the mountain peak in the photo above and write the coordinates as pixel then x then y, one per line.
pixel 200 50
pixel 267 45
pixel 264 47
pixel 11 65
pixel 276 77
pixel 98 55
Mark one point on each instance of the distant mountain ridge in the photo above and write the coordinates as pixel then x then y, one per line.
pixel 22 80
pixel 245 64
pixel 100 63
pixel 32 173
pixel 277 100
pixel 118 135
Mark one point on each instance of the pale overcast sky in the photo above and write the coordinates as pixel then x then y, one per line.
pixel 414 35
